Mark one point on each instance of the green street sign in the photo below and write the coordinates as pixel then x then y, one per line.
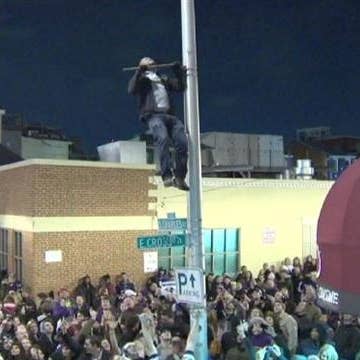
pixel 161 241
pixel 172 224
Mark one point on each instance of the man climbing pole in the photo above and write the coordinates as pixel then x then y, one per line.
pixel 157 112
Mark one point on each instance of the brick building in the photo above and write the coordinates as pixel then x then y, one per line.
pixel 62 219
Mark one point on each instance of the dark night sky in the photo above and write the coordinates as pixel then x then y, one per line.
pixel 265 66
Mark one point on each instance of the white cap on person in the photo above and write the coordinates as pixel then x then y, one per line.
pixel 145 61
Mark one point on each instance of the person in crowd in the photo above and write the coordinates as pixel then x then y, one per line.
pixel 287 265
pixel 310 265
pixel 208 285
pixel 165 347
pixel 347 338
pixel 240 348
pixel 27 307
pixel 247 280
pixel 269 318
pixel 123 284
pixel 93 350
pixel 87 290
pixel 307 312
pixel 288 327
pixel 314 342
pixel 244 322
pixel 47 341
pixel 25 345
pixel 227 283
pixel 328 352
pixel 259 337
pixel 5 346
pixel 296 279
pixel 270 286
pixel 63 306
pixel 37 354
pixel 297 262
pixel 33 331
pixel 15 352
pixel 80 305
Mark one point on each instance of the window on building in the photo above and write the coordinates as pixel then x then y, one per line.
pixel 221 252
pixel 4 249
pixel 170 258
pixel 18 255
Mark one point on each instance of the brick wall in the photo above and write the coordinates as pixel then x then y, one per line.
pixel 91 191
pixel 50 190
pixel 17 191
pixel 92 253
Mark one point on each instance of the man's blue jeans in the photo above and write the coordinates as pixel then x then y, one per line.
pixel 166 130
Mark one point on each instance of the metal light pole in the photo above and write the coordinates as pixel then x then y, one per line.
pixel 191 114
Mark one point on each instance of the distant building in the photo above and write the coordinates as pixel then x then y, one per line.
pixel 222 154
pixel 242 155
pixel 313 133
pixel 125 152
pixel 330 155
pixel 33 140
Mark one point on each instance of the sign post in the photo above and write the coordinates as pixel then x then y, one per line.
pixel 196 253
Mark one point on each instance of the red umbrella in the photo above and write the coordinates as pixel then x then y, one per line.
pixel 338 238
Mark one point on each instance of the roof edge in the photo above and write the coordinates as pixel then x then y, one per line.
pixel 81 163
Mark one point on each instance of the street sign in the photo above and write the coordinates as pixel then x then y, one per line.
pixel 172 224
pixel 161 241
pixel 189 286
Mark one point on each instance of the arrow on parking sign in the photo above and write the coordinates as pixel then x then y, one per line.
pixel 192 280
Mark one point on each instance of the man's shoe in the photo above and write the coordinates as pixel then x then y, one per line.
pixel 169 181
pixel 181 184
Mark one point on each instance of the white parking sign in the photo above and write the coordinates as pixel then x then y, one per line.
pixel 189 288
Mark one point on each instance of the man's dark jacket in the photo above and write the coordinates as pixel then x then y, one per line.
pixel 140 85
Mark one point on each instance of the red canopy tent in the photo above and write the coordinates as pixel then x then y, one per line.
pixel 338 237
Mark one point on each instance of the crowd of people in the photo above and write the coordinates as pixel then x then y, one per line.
pixel 270 315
